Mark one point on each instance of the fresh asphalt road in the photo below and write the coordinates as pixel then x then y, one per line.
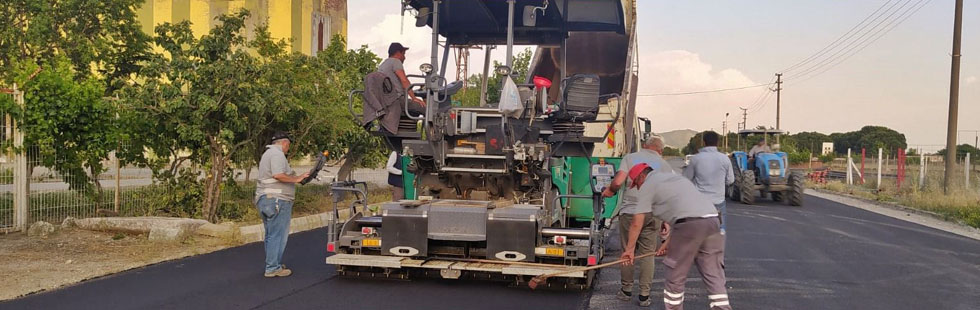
pixel 822 256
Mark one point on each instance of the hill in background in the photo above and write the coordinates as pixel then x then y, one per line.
pixel 678 138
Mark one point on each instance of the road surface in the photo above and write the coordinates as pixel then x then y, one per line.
pixel 822 256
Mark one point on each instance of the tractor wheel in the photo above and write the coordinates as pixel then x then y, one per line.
pixel 733 193
pixel 777 196
pixel 795 193
pixel 746 187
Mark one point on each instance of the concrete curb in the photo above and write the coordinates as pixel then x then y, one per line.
pixel 922 217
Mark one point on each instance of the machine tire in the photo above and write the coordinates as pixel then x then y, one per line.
pixel 777 196
pixel 734 193
pixel 796 183
pixel 747 187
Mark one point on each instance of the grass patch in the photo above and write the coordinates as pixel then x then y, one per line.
pixel 961 205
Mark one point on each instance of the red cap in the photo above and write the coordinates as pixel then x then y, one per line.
pixel 635 173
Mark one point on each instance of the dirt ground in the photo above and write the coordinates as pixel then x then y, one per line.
pixel 33 264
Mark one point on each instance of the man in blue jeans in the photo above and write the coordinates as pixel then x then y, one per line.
pixel 274 194
pixel 711 171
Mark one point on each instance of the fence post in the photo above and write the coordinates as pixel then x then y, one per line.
pixel 878 185
pixel 115 202
pixel 862 165
pixel 900 165
pixel 848 164
pixel 20 170
pixel 966 170
pixel 922 170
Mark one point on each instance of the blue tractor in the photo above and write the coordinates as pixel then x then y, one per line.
pixel 766 175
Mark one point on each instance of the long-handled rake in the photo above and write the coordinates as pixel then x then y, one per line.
pixel 538 280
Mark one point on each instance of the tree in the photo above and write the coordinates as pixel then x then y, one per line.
pixel 101 39
pixel 67 126
pixel 66 55
pixel 693 145
pixel 215 101
pixel 522 67
pixel 870 138
pixel 962 150
pixel 669 151
pixel 810 141
pixel 199 101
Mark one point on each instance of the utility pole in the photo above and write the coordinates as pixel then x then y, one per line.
pixel 745 115
pixel 738 136
pixel 954 94
pixel 779 88
pixel 724 130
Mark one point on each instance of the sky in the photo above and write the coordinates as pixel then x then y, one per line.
pixel 900 81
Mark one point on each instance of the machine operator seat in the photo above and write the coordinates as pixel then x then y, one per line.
pixel 579 100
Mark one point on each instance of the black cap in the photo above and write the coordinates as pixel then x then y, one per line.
pixel 396 47
pixel 279 135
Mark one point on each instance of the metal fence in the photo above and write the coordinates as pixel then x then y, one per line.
pixel 919 171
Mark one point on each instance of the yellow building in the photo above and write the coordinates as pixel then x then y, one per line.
pixel 307 24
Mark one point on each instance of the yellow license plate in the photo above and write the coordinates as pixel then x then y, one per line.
pixel 554 251
pixel 371 242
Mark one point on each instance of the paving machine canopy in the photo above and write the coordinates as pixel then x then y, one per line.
pixel 481 22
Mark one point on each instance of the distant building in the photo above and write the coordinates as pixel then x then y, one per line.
pixel 307 24
pixel 827 148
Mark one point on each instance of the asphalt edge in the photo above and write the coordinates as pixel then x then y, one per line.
pixel 894 210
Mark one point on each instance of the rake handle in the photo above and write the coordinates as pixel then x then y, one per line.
pixel 604 265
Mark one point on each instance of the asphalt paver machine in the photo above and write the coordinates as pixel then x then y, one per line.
pixel 500 196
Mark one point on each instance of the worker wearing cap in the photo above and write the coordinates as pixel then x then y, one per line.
pixel 274 194
pixel 394 68
pixel 633 220
pixel 695 237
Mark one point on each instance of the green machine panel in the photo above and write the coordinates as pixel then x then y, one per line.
pixel 573 177
pixel 408 178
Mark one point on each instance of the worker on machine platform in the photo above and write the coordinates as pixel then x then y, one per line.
pixel 385 91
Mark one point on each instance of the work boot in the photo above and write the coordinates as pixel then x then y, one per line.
pixel 624 295
pixel 645 301
pixel 282 272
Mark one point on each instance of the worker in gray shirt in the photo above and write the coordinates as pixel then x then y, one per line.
pixel 650 153
pixel 274 195
pixel 711 172
pixel 695 237
pixel 394 68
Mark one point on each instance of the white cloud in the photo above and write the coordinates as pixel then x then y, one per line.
pixel 378 25
pixel 684 71
pixel 389 29
pixel 971 80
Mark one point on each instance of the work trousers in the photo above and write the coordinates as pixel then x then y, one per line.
pixel 696 241
pixel 275 214
pixel 646 243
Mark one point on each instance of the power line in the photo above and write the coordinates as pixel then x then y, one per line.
pixel 836 42
pixel 854 43
pixel 762 94
pixel 703 91
pixel 870 40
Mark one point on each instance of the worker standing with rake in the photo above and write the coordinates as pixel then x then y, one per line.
pixel 695 236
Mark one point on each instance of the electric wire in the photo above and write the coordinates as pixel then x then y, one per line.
pixel 871 40
pixel 846 36
pixel 703 91
pixel 852 44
